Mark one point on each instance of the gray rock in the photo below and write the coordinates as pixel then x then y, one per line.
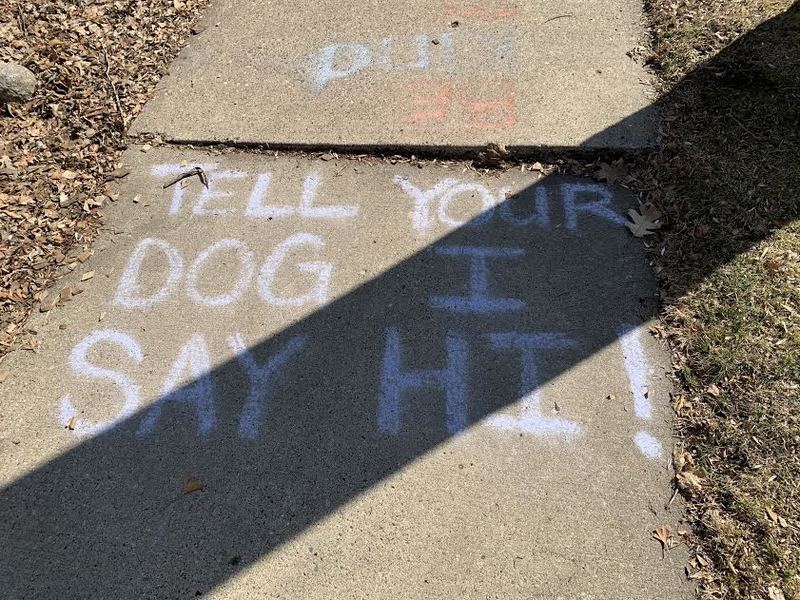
pixel 17 83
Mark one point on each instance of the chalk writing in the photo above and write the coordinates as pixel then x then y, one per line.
pixel 479 300
pixel 160 272
pixel 530 419
pixel 454 52
pixel 129 293
pixel 215 192
pixel 261 379
pixel 396 380
pixel 193 357
pixel 636 368
pixel 322 270
pixel 246 270
pixel 256 208
pixel 579 201
pixel 82 367
pixel 598 204
pixel 493 107
pixel 199 392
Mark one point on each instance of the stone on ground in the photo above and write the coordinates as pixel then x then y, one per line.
pixel 17 83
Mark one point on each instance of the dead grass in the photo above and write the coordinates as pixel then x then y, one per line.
pixel 727 175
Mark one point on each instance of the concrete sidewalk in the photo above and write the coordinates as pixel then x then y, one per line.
pixel 390 381
pixel 442 74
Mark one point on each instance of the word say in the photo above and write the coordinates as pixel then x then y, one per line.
pixel 578 200
pixel 215 199
pixel 454 52
pixel 443 100
pixel 129 292
pixel 194 358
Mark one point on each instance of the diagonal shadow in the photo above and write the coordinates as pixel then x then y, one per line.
pixel 335 422
pixel 98 522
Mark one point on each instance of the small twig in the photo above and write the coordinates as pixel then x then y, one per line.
pixel 21 19
pixel 742 125
pixel 190 173
pixel 114 91
pixel 671 500
pixel 558 17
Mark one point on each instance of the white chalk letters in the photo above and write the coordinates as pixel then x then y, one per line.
pixel 397 378
pixel 129 293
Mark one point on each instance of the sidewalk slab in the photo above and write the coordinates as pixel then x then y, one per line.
pixel 454 74
pixel 389 380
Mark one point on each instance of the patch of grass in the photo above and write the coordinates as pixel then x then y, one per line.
pixel 727 175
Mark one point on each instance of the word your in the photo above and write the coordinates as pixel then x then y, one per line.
pixel 443 100
pixel 577 199
pixel 448 51
pixel 129 290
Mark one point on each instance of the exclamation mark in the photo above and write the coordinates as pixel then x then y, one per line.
pixel 636 367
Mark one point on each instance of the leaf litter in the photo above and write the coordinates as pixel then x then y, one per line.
pixel 96 64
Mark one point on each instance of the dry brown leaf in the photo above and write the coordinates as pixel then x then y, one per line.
pixel 67 293
pixel 663 535
pixel 48 303
pixel 773 516
pixel 192 484
pixel 644 222
pixel 494 156
pixel 71 423
pixel 611 397
pixel 679 403
pixel 775 593
pixel 88 275
pixel 714 390
pixel 689 481
pixel 612 173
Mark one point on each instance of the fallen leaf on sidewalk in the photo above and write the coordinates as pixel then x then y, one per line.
pixel 646 221
pixel 48 303
pixel 611 173
pixel 494 156
pixel 193 484
pixel 663 535
pixel 87 275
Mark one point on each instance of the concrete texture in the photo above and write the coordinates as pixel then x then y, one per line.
pixel 452 74
pixel 328 491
